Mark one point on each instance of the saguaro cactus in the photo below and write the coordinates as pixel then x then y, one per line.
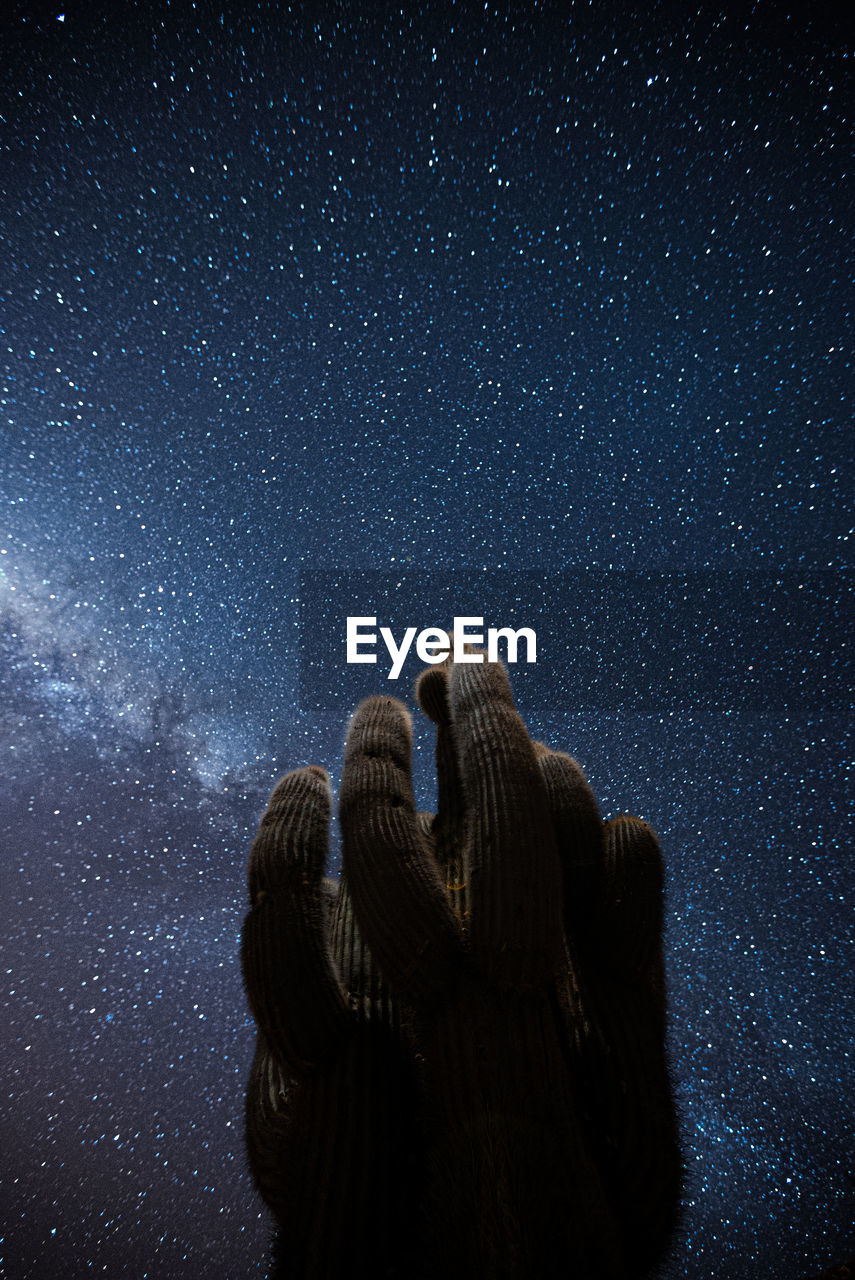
pixel 509 949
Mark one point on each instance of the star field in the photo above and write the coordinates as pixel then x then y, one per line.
pixel 540 313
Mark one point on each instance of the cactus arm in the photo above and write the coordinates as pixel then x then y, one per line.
pixel 398 893
pixel 292 987
pixel 448 831
pixel 515 878
pixel 614 920
pixel 579 832
pixel 633 898
pixel 627 1002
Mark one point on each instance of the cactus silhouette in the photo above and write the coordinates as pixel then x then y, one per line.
pixel 492 1025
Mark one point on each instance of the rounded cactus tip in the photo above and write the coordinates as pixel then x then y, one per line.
pixel 432 694
pixel 318 772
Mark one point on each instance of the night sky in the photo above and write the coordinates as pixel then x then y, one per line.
pixel 536 312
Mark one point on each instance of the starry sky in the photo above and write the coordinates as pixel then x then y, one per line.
pixel 537 312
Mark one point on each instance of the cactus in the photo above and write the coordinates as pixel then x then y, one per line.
pixel 507 951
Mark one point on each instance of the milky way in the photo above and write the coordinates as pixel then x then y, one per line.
pixel 533 312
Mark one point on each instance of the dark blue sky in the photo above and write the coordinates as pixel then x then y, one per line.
pixel 537 312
